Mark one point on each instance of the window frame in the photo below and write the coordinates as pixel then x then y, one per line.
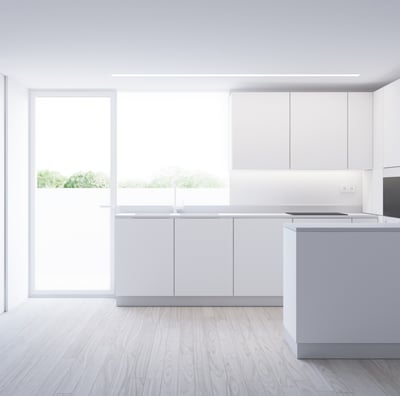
pixel 112 95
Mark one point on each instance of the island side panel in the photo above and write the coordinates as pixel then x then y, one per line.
pixel 289 283
pixel 348 286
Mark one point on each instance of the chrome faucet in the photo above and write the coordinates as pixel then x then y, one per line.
pixel 174 208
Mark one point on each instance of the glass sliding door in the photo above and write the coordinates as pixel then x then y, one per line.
pixel 71 193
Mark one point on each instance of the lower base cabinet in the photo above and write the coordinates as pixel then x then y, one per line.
pixel 258 257
pixel 144 257
pixel 204 257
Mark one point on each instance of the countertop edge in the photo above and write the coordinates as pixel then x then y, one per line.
pixel 334 227
pixel 238 216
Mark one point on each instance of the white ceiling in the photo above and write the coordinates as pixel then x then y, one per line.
pixel 80 43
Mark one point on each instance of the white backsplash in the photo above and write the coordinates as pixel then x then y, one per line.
pixel 319 188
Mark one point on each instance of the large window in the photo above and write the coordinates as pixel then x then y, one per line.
pixel 172 148
pixel 168 140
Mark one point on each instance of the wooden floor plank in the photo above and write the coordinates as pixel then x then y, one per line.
pixel 169 382
pixel 77 357
pixel 246 348
pixel 124 383
pixel 235 381
pixel 357 378
pixel 212 344
pixel 31 353
pixel 50 351
pixel 186 370
pixel 155 368
pixel 105 380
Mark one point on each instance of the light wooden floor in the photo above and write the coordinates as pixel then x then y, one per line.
pixel 90 347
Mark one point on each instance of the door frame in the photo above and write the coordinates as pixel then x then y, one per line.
pixel 3 188
pixel 33 94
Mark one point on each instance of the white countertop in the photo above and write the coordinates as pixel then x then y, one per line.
pixel 213 215
pixel 349 227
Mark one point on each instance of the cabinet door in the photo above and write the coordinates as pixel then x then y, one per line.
pixel 144 258
pixel 258 257
pixel 319 130
pixel 391 124
pixel 360 130
pixel 373 181
pixel 260 130
pixel 204 257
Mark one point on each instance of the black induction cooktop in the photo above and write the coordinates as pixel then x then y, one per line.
pixel 316 213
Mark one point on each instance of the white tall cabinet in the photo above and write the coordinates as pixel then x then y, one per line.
pixel 318 130
pixel 392 124
pixel 373 180
pixel 360 128
pixel 260 130
pixel 258 257
pixel 144 257
pixel 204 257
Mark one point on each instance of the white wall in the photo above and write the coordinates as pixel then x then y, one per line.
pixel 17 195
pixel 293 188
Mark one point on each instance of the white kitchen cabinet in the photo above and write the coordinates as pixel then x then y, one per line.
pixel 204 257
pixel 144 257
pixel 379 129
pixel 373 180
pixel 360 126
pixel 258 257
pixel 391 121
pixel 260 130
pixel 319 130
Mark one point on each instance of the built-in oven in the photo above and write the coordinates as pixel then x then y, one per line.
pixel 391 196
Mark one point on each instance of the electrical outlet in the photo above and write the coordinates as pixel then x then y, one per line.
pixel 348 188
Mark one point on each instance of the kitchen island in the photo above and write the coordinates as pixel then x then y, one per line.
pixel 341 290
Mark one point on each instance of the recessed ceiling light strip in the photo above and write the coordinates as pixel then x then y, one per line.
pixel 231 75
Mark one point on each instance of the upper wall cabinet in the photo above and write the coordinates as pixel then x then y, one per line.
pixel 391 97
pixel 260 130
pixel 307 130
pixel 360 126
pixel 319 130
